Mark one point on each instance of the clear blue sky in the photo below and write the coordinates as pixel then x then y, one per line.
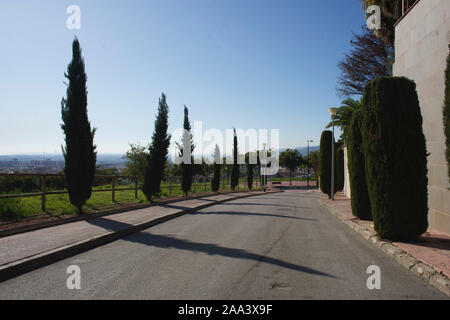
pixel 243 63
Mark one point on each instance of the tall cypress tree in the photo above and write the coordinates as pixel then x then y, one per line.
pixel 79 152
pixel 446 113
pixel 158 150
pixel 215 182
pixel 186 144
pixel 235 169
pixel 250 170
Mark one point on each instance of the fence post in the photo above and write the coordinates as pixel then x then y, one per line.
pixel 113 189
pixel 136 188
pixel 44 190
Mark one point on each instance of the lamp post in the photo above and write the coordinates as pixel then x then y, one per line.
pixel 333 112
pixel 307 178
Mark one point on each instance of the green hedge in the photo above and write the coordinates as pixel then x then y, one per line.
pixel 396 158
pixel 357 170
pixel 446 113
pixel 325 163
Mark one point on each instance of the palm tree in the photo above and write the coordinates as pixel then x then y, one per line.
pixel 344 115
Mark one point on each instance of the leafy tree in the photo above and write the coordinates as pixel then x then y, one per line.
pixel 446 113
pixel 215 182
pixel 291 160
pixel 396 158
pixel 79 152
pixel 235 169
pixel 158 150
pixel 136 161
pixel 343 116
pixel 186 145
pixel 368 59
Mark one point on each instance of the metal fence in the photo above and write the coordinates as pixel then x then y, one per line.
pixel 200 184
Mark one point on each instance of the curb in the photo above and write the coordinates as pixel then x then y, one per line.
pixel 19 267
pixel 138 206
pixel 424 271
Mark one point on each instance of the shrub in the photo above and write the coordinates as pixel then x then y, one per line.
pixel 10 209
pixel 357 171
pixel 325 162
pixel 396 158
pixel 339 167
pixel 446 113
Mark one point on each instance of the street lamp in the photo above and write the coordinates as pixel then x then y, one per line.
pixel 333 112
pixel 307 179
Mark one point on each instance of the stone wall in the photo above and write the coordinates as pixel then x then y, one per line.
pixel 421 49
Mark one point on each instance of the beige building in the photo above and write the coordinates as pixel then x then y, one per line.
pixel 421 48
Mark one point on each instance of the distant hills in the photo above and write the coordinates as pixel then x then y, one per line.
pixel 101 158
pixel 107 158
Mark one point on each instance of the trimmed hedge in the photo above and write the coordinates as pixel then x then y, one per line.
pixel 357 170
pixel 396 158
pixel 446 114
pixel 325 163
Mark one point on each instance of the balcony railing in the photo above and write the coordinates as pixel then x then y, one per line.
pixel 404 6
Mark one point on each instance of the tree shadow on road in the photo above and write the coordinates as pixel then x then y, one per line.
pixel 169 242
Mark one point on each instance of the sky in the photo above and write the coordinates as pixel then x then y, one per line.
pixel 263 64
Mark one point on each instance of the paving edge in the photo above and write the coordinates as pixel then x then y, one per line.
pixel 424 271
pixel 137 206
pixel 19 267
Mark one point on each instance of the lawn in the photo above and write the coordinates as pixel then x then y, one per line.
pixel 59 204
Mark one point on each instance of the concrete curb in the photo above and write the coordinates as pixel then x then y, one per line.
pixel 31 263
pixel 424 271
pixel 44 225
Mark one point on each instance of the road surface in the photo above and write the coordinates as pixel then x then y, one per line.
pixel 277 246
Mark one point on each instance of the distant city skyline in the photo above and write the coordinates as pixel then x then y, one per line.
pixel 242 64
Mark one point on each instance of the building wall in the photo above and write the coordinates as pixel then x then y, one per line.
pixel 347 190
pixel 421 49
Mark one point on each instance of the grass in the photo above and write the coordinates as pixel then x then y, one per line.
pixel 59 204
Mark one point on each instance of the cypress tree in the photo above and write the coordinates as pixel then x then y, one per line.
pixel 396 158
pixel 158 150
pixel 79 152
pixel 235 169
pixel 187 170
pixel 357 169
pixel 215 182
pixel 325 162
pixel 446 113
pixel 250 170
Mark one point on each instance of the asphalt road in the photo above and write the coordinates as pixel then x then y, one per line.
pixel 277 246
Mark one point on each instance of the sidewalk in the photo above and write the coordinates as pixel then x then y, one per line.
pixel 429 258
pixel 27 251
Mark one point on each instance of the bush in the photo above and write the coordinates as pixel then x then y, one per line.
pixel 339 167
pixel 446 113
pixel 325 163
pixel 357 170
pixel 10 209
pixel 396 158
